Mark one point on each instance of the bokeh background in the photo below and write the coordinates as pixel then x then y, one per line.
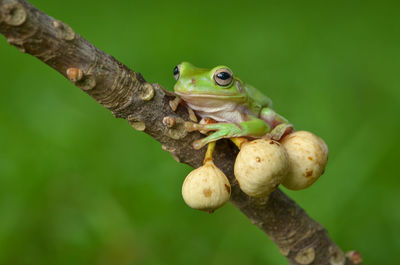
pixel 78 186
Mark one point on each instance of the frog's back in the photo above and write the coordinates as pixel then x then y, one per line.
pixel 257 98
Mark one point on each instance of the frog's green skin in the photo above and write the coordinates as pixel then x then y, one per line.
pixel 240 109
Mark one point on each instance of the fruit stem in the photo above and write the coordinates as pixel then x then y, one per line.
pixel 238 141
pixel 209 153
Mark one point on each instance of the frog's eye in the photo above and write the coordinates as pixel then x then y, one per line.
pixel 176 72
pixel 223 77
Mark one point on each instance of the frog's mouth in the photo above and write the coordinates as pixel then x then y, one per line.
pixel 194 96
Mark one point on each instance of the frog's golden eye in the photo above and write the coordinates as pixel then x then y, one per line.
pixel 176 71
pixel 223 77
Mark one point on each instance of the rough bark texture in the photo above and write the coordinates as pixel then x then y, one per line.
pixel 127 95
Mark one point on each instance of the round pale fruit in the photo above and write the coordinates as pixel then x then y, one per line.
pixel 308 155
pixel 260 167
pixel 206 188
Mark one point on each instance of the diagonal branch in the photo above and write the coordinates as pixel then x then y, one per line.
pixel 145 106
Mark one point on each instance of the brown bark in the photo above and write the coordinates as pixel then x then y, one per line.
pixel 127 95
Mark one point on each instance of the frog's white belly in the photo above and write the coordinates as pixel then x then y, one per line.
pixel 219 110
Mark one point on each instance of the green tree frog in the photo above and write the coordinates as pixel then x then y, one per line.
pixel 238 109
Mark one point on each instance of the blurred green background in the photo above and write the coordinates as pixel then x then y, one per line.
pixel 80 187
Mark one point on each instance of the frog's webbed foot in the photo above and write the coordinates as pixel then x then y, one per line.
pixel 192 115
pixel 279 131
pixel 222 130
pixel 280 125
pixel 175 103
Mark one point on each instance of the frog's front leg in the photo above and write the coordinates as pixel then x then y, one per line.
pixel 280 126
pixel 175 103
pixel 253 128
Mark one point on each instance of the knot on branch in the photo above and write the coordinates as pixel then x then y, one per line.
pixel 355 257
pixel 13 13
pixel 337 256
pixel 305 256
pixel 64 31
pixel 136 123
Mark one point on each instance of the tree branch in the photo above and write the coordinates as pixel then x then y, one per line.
pixel 127 95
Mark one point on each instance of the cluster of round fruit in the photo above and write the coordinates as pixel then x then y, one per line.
pixel 296 162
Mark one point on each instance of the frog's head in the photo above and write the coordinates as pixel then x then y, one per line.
pixel 217 83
